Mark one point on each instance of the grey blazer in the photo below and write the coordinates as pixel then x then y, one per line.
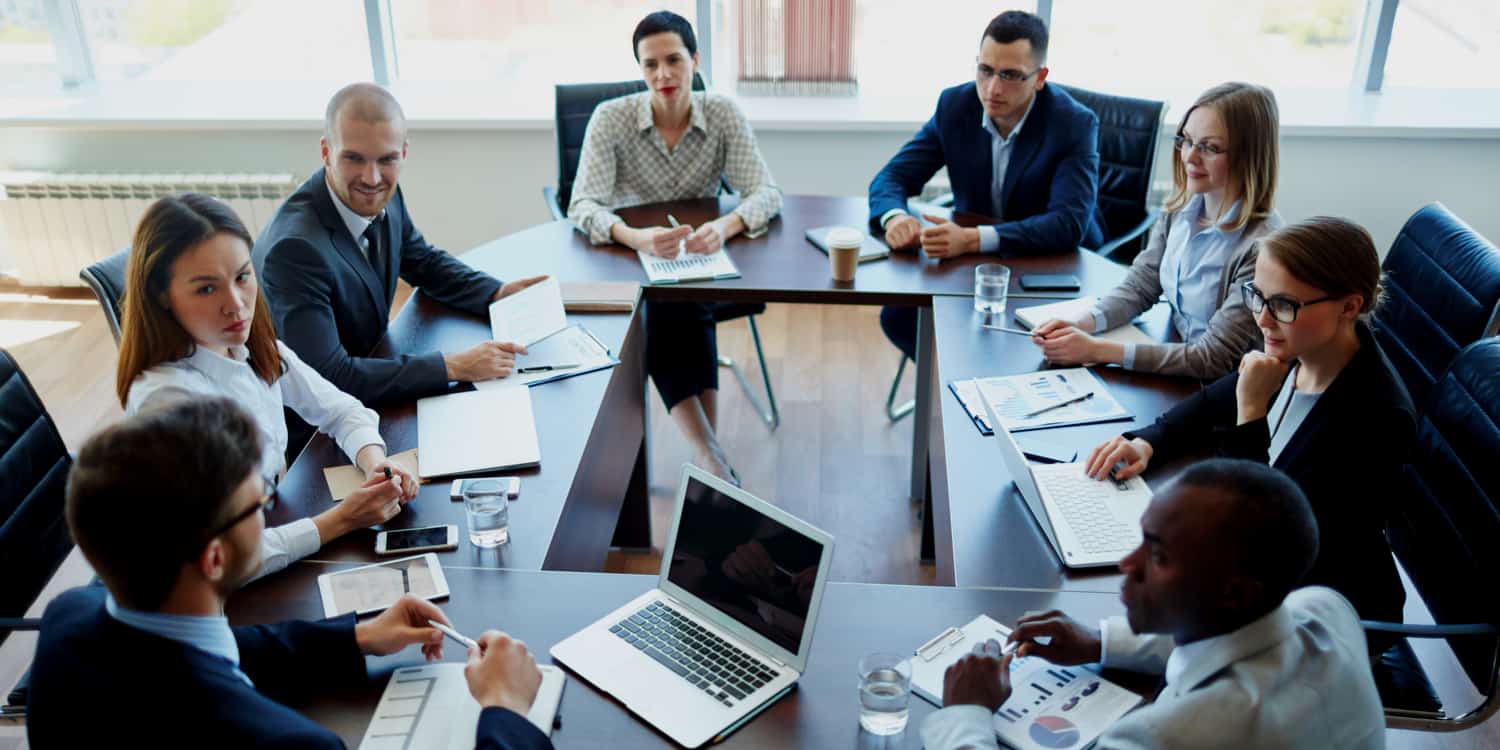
pixel 1231 330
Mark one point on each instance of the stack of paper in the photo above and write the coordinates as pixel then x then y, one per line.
pixel 599 296
pixel 429 706
pixel 1032 401
pixel 688 267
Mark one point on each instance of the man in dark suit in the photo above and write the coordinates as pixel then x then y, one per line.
pixel 330 258
pixel 1016 149
pixel 167 509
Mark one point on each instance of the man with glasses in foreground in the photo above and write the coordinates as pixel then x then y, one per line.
pixel 1015 149
pixel 167 507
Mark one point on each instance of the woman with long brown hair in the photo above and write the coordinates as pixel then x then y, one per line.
pixel 195 325
pixel 1321 403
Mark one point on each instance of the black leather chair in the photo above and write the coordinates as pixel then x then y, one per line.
pixel 34 465
pixel 1128 130
pixel 107 279
pixel 1443 293
pixel 575 105
pixel 1445 530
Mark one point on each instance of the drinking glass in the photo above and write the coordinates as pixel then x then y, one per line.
pixel 991 280
pixel 884 691
pixel 488 513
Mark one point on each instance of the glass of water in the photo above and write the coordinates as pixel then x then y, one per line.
pixel 884 690
pixel 488 513
pixel 991 281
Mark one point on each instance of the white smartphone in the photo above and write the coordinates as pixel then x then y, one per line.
pixel 423 539
pixel 372 588
pixel 512 486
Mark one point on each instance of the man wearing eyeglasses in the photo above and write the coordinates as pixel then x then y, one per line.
pixel 1015 148
pixel 166 507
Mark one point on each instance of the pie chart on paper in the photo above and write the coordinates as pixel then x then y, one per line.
pixel 1054 731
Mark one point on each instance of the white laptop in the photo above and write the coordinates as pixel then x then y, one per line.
pixel 1090 523
pixel 728 628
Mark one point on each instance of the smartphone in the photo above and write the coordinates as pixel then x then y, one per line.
pixel 1049 282
pixel 403 541
pixel 1041 450
pixel 510 485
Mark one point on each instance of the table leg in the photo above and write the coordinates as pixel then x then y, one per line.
pixel 633 533
pixel 922 416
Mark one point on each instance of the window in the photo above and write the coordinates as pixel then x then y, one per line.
pixel 227 40
pixel 26 51
pixel 906 49
pixel 1445 44
pixel 1152 47
pixel 520 48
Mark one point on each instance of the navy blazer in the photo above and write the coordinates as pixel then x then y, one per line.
pixel 331 307
pixel 1347 456
pixel 1051 182
pixel 96 682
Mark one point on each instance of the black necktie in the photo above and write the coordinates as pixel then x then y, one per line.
pixel 375 242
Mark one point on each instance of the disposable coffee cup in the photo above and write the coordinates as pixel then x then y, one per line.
pixel 844 244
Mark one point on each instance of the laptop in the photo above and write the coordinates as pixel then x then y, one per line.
pixel 726 631
pixel 1089 523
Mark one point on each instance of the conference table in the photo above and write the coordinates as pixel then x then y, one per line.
pixel 590 492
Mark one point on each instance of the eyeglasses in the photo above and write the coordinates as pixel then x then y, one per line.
pixel 1009 75
pixel 1283 308
pixel 1203 149
pixel 267 502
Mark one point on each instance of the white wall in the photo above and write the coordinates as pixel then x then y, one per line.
pixel 468 186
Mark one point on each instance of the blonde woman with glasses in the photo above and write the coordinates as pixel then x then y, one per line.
pixel 1201 250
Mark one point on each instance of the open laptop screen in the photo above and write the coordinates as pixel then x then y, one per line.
pixel 748 566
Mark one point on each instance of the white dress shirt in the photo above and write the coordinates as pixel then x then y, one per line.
pixel 357 224
pixel 333 412
pixel 1298 677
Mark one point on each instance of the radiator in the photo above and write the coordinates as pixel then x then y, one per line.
pixel 54 224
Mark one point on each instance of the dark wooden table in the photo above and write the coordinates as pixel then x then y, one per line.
pixel 993 538
pixel 543 607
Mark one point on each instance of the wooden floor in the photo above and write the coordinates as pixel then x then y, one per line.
pixel 830 368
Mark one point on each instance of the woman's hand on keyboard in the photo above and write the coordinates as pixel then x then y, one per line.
pixel 1118 458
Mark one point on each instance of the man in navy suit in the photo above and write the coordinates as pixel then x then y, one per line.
pixel 1016 149
pixel 167 509
pixel 330 258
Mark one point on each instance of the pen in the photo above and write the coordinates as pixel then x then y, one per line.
pixel 1059 405
pixel 546 368
pixel 673 221
pixel 454 634
pixel 1004 329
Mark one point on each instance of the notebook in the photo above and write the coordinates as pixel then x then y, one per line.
pixel 599 296
pixel 1049 706
pixel 565 354
pixel 530 315
pixel 869 249
pixel 430 707
pixel 1072 309
pixel 688 267
pixel 476 431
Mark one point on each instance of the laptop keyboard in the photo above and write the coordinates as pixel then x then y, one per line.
pixel 1083 502
pixel 709 662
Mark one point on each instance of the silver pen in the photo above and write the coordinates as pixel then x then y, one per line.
pixel 1059 405
pixel 1004 329
pixel 673 221
pixel 466 641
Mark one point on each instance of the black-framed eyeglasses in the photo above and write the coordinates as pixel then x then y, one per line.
pixel 1283 308
pixel 267 502
pixel 1009 75
pixel 1203 149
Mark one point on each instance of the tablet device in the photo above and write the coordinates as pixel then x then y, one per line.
pixel 372 588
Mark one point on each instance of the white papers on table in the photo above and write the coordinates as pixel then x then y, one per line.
pixel 530 315
pixel 688 267
pixel 1012 397
pixel 1049 706
pixel 483 430
pixel 430 707
pixel 1072 309
pixel 571 351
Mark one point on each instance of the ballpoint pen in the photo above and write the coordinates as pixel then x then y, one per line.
pixel 1059 405
pixel 673 221
pixel 466 641
pixel 546 368
pixel 1004 329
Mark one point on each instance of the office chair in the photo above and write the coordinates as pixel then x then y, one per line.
pixel 1445 530
pixel 1442 283
pixel 34 465
pixel 575 105
pixel 107 279
pixel 1128 129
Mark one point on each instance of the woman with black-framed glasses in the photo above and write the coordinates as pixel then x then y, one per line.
pixel 1321 403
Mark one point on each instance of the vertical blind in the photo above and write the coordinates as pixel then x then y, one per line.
pixel 796 47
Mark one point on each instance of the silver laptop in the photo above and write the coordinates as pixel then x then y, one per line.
pixel 728 628
pixel 1090 523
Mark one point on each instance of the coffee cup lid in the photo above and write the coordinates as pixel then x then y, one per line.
pixel 845 237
